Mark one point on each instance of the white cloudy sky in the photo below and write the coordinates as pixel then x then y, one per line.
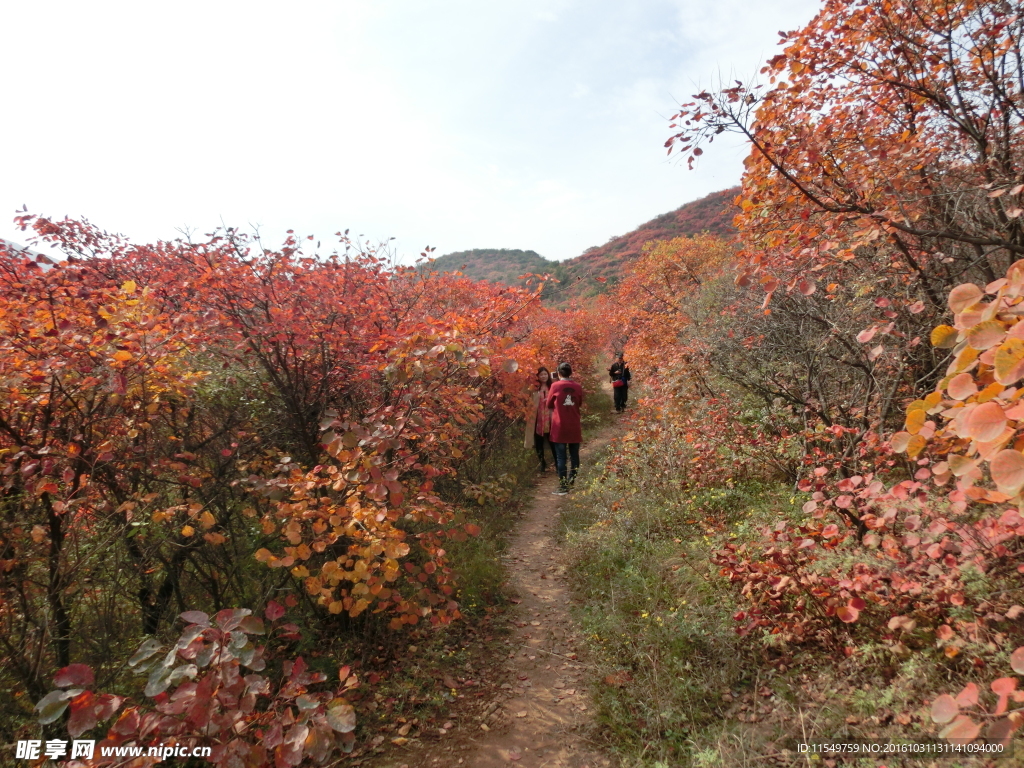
pixel 534 124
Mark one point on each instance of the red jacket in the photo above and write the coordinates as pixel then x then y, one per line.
pixel 565 397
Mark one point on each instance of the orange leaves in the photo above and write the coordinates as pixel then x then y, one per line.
pixel 986 422
pixel 848 614
pixel 962 386
pixel 944 709
pixel 1007 468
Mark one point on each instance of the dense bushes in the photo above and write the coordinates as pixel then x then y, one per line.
pixel 199 426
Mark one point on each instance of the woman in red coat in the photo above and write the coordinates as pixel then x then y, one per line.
pixel 564 400
pixel 538 420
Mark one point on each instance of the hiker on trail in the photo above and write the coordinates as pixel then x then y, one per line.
pixel 564 400
pixel 538 420
pixel 620 376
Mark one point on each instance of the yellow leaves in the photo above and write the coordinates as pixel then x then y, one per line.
pixel 906 442
pixel 915 445
pixel 188 531
pixel 944 337
pixel 263 555
pixel 917 414
pixel 990 392
pixel 122 356
pixel 336 606
pixel 985 335
pixel 963 360
pixel 396 549
pixel 128 287
pixel 300 572
pixel 207 521
pixel 1009 361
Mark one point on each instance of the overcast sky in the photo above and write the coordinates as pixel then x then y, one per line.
pixel 456 124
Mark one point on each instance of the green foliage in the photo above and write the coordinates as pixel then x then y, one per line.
pixel 496 265
pixel 657 620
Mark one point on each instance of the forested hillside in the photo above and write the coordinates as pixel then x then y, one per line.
pixel 593 272
pixel 496 265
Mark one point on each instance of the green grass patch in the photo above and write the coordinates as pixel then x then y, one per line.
pixel 674 684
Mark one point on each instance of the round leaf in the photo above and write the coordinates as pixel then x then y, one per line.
pixel 1007 468
pixel 899 441
pixel 986 422
pixel 962 386
pixel 1004 686
pixel 944 709
pixel 944 336
pixel 341 717
pixel 961 729
pixel 196 617
pixel 1009 361
pixel 968 697
pixel 146 650
pixel 74 674
pixel 1017 661
pixel 963 296
pixel 274 611
pixel 53 704
pixel 848 614
pixel 986 335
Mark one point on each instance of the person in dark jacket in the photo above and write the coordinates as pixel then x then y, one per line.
pixel 620 376
pixel 564 400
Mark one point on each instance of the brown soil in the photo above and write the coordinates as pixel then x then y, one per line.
pixel 536 711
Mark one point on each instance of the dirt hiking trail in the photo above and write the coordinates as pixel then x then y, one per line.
pixel 540 716
pixel 546 715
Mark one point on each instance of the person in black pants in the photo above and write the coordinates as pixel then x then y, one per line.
pixel 620 376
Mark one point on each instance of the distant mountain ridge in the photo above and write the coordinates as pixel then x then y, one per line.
pixel 712 213
pixel 498 265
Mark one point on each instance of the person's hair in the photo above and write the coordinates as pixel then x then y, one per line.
pixel 539 382
pixel 620 356
pixel 564 370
